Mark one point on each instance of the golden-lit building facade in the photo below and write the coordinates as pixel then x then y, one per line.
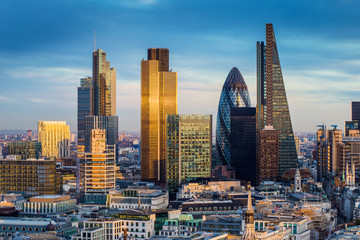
pixel 188 148
pixel 158 99
pixel 31 177
pixel 97 170
pixel 55 138
pixel 104 82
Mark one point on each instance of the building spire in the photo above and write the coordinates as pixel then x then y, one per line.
pixel 94 40
pixel 249 233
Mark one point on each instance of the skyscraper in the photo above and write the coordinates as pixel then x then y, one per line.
pixel 158 99
pixel 234 94
pixel 54 137
pixel 97 103
pixel 188 148
pixel 272 106
pixel 243 142
pixel 104 82
pixel 85 108
pixel 97 168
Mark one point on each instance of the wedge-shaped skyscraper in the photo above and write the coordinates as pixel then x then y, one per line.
pixel 272 107
pixel 234 94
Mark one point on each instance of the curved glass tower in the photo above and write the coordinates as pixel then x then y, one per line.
pixel 234 94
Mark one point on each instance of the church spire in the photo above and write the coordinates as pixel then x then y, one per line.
pixel 249 233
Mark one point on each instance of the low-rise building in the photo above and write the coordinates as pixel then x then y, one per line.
pixel 17 200
pixel 96 233
pixel 183 226
pixel 138 199
pixel 232 224
pixel 49 204
pixel 8 227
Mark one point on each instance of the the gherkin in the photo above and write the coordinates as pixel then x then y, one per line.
pixel 234 94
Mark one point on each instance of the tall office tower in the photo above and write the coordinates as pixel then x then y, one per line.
pixel 268 160
pixel 243 142
pixel 97 103
pixel 108 123
pixel 272 106
pixel 158 99
pixel 322 153
pixel 348 151
pixel 85 108
pixel 334 138
pixel 104 82
pixel 97 169
pixel 355 111
pixel 54 137
pixel 30 177
pixel 352 128
pixel 188 148
pixel 25 149
pixel 234 94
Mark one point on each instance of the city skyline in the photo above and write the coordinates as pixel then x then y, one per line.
pixel 316 47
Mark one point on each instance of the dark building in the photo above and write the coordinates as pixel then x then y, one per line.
pixel 25 149
pixel 161 55
pixel 272 107
pixel 108 123
pixel 85 107
pixel 243 143
pixel 234 94
pixel 355 111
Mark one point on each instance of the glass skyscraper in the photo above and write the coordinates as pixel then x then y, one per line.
pixel 234 94
pixel 158 99
pixel 243 143
pixel 85 107
pixel 272 106
pixel 97 102
pixel 188 148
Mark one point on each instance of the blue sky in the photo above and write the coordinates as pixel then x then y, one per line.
pixel 46 47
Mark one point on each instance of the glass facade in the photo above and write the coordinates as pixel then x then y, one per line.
pixel 30 177
pixel 54 137
pixel 104 79
pixel 158 99
pixel 234 94
pixel 243 143
pixel 85 106
pixel 188 148
pixel 108 123
pixel 273 109
pixel 25 149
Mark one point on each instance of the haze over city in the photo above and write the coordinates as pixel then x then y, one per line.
pixel 46 47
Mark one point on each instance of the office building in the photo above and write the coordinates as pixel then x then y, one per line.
pixel 55 138
pixel 25 149
pixel 243 142
pixel 97 103
pixel 158 99
pixel 85 108
pixel 29 135
pixel 188 148
pixel 31 177
pixel 268 160
pixel 49 204
pixel 234 94
pixel 355 111
pixel 97 169
pixel 104 82
pixel 107 123
pixel 138 199
pixel 272 106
